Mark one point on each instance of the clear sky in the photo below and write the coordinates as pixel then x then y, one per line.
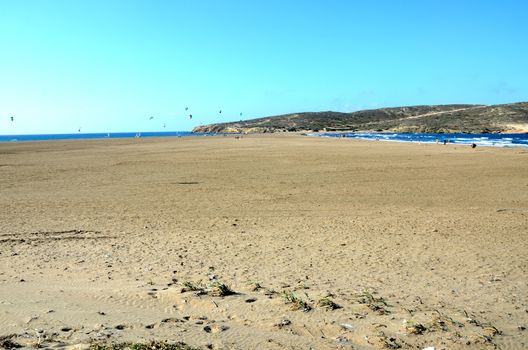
pixel 109 65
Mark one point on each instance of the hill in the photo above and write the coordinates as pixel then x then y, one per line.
pixel 505 118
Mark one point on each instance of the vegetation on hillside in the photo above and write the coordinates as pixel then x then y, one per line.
pixel 426 119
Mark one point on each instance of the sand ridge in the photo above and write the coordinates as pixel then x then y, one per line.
pixel 418 245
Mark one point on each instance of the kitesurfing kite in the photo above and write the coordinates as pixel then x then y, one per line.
pixel 186 108
pixel 190 116
pixel 151 118
pixel 220 112
pixel 12 118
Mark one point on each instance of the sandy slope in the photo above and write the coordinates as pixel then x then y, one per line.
pixel 97 238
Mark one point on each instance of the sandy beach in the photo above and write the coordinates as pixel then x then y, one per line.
pixel 325 243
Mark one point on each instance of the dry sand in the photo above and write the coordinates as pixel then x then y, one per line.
pixel 420 245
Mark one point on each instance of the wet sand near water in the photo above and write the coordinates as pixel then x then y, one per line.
pixel 325 243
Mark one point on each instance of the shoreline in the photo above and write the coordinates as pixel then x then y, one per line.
pixel 483 140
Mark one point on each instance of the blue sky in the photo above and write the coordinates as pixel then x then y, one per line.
pixel 109 66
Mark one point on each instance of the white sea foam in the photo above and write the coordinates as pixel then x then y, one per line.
pixel 491 140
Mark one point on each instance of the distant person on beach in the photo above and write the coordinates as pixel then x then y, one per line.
pixel 473 145
pixel 445 142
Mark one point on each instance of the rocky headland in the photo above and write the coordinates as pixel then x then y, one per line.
pixel 457 118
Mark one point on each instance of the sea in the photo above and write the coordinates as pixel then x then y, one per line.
pixel 88 136
pixel 495 140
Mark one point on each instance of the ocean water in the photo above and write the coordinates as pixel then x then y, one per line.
pixel 81 136
pixel 495 140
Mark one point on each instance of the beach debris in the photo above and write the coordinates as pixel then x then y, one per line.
pixel 40 337
pixel 171 320
pixel 270 293
pixel 283 323
pixel 31 319
pixel 429 348
pixel 342 340
pixel 219 328
pixel 250 300
pixel 346 326
pixel 495 279
pixel 296 302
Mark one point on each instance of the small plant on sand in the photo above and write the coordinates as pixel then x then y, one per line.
pixel 255 286
pixel 189 286
pixel 152 345
pixel 270 292
pixel 441 322
pixel 488 332
pixel 297 303
pixel 414 327
pixel 327 303
pixel 219 289
pixel 215 289
pixel 6 342
pixel 374 303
